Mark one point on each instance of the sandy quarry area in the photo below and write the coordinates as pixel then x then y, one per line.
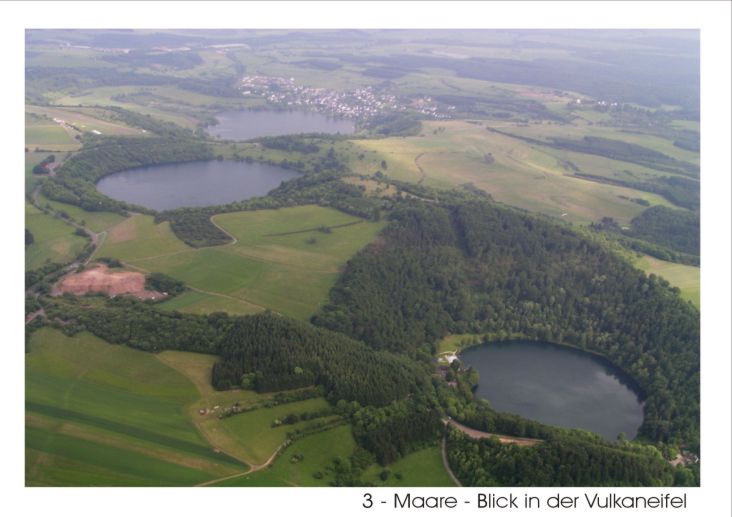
pixel 99 279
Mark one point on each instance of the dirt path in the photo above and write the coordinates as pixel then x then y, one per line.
pixel 422 174
pixel 234 240
pixel 211 293
pixel 252 469
pixel 447 464
pixel 474 433
pixel 34 315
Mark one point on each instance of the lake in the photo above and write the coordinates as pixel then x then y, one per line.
pixel 164 187
pixel 248 124
pixel 556 385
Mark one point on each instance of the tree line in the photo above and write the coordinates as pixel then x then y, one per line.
pixel 267 351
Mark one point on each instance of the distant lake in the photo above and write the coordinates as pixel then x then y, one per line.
pixel 248 124
pixel 163 187
pixel 556 385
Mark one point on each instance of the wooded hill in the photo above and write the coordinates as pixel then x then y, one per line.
pixel 475 267
pixel 269 352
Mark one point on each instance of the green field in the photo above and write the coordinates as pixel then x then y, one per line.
pixel 84 120
pixel 31 160
pixel 317 452
pixel 248 436
pixel 684 277
pixel 54 240
pixel 109 95
pixel 138 237
pixel 290 274
pixel 421 468
pixel 95 221
pixel 455 342
pixel 251 436
pixel 43 133
pixel 100 414
pixel 451 153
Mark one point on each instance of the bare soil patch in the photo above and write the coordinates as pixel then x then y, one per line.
pixel 100 279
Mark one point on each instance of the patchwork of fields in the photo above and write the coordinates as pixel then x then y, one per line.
pixel 100 414
pixel 448 154
pixel 284 260
pixel 106 415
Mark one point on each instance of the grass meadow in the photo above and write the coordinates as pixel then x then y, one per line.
pixel 300 463
pixel 452 153
pixel 101 414
pixel 54 240
pixel 686 278
pixel 282 259
pixel 421 468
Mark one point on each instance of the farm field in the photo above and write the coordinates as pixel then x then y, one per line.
pixel 282 260
pixel 107 96
pixel 686 278
pixel 250 435
pixel 577 132
pixel 101 414
pixel 43 133
pixel 31 160
pixel 54 240
pixel 137 237
pixel 421 468
pixel 452 153
pixel 84 120
pixel 95 221
pixel 307 462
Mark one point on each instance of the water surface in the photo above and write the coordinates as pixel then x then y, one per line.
pixel 248 124
pixel 557 385
pixel 164 187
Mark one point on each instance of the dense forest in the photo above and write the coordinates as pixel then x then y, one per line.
pixel 162 283
pixel 476 267
pixel 675 229
pixel 560 461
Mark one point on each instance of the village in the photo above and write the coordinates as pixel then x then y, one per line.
pixel 359 104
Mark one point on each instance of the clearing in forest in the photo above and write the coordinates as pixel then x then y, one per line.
pixel 99 279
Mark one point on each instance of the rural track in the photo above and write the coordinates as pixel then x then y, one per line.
pixel 211 293
pixel 447 463
pixel 475 433
pixel 422 174
pixel 234 240
pixel 252 469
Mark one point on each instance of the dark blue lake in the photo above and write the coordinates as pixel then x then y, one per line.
pixel 557 385
pixel 248 124
pixel 163 187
